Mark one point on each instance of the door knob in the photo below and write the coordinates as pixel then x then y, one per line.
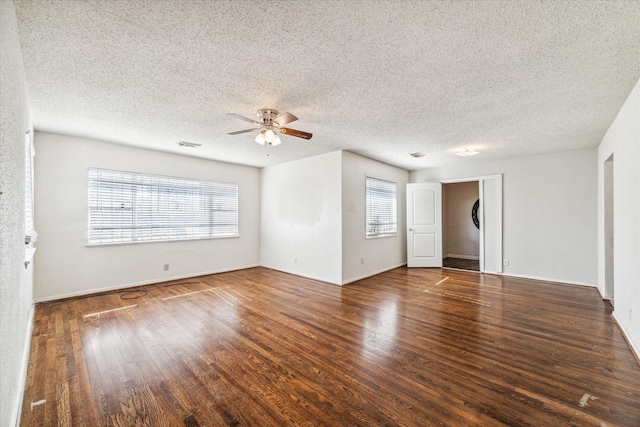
pixel 411 229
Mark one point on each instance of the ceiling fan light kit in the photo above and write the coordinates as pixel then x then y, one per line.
pixel 269 124
pixel 269 137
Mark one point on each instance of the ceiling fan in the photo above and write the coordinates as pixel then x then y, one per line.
pixel 270 123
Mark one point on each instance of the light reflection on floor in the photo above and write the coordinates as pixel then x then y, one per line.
pixel 217 320
pixel 380 332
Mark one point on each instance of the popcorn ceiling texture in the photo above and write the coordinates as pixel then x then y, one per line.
pixel 16 287
pixel 380 78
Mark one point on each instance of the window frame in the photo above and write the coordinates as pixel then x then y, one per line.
pixel 160 186
pixel 380 235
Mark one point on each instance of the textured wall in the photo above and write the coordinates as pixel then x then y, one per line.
pixel 379 254
pixel 67 267
pixel 549 212
pixel 15 283
pixel 300 218
pixel 623 141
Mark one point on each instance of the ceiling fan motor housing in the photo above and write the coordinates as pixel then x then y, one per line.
pixel 266 116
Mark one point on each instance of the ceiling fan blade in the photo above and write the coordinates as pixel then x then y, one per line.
pixel 238 132
pixel 285 118
pixel 297 133
pixel 238 116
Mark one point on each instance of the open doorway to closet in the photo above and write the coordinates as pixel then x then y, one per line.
pixel 461 225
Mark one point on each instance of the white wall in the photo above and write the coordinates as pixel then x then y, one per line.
pixel 301 217
pixel 623 141
pixel 549 212
pixel 379 254
pixel 16 282
pixel 463 238
pixel 67 267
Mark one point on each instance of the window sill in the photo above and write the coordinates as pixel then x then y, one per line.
pixel 381 236
pixel 98 245
pixel 28 256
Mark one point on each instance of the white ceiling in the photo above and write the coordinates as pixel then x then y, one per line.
pixel 379 78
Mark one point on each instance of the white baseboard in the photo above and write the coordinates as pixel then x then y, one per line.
pixel 603 295
pixel 136 284
pixel 306 276
pixel 320 279
pixel 463 256
pixel 467 271
pixel 373 273
pixel 547 279
pixel 22 378
pixel 634 347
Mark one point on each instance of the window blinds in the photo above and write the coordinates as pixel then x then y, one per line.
pixel 126 207
pixel 381 200
pixel 28 185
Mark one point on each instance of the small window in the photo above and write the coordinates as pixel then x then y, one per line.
pixel 126 207
pixel 382 207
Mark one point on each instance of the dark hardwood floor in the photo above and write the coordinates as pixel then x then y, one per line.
pixel 412 347
pixel 461 264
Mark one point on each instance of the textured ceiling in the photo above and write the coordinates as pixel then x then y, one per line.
pixel 379 78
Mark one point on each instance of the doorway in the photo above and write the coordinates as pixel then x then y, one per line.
pixel 424 222
pixel 608 230
pixel 461 226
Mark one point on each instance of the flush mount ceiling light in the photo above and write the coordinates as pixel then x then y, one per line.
pixel 467 152
pixel 270 123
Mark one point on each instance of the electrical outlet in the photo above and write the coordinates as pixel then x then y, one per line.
pixel 166 267
pixel 295 260
pixel 361 260
pixel 505 262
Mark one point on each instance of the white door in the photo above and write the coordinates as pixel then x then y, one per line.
pixel 424 225
pixel 491 224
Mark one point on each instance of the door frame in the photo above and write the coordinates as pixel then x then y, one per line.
pixel 424 229
pixel 609 234
pixel 497 238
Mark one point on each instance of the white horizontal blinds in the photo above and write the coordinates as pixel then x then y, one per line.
pixel 131 207
pixel 28 184
pixel 381 199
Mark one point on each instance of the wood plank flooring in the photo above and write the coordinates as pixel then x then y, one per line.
pixel 409 347
pixel 461 264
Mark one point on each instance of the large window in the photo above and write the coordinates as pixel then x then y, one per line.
pixel 381 199
pixel 127 207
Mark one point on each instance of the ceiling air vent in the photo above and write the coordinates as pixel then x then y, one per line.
pixel 189 144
